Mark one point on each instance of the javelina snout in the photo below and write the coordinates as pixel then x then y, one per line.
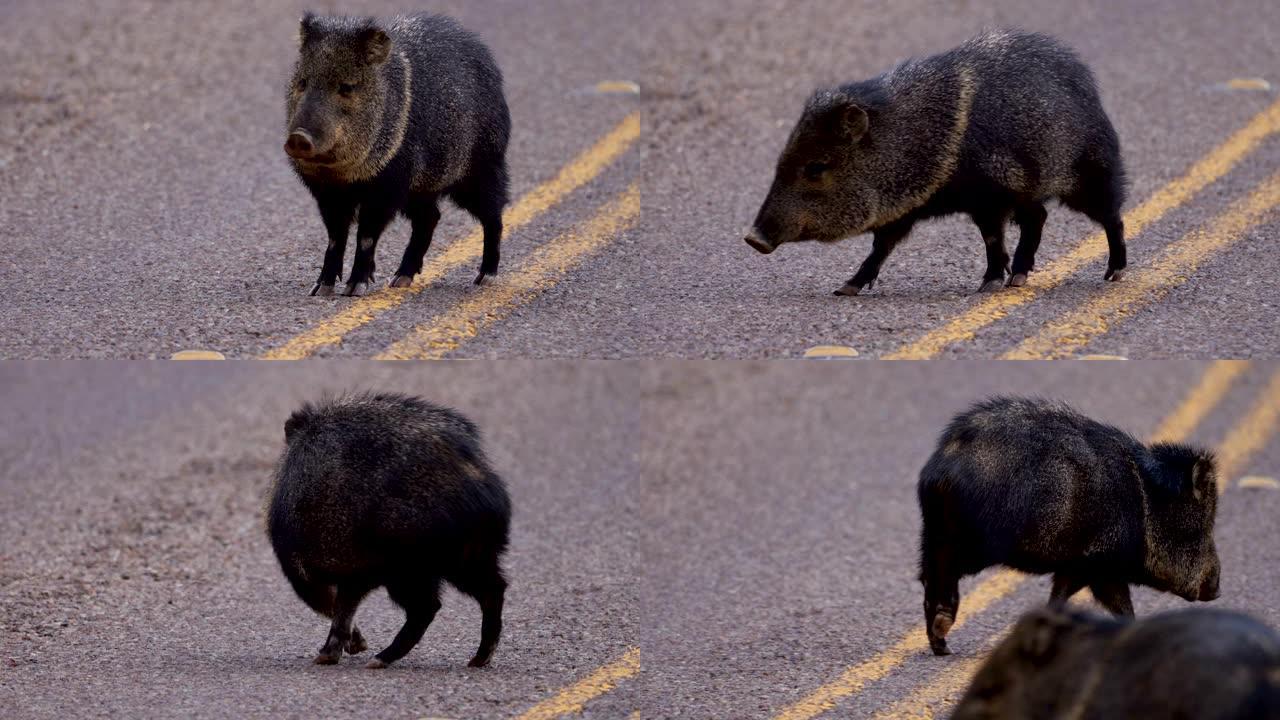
pixel 388 491
pixel 300 145
pixel 756 240
pixel 1209 588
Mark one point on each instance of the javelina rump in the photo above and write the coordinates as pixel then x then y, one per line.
pixel 1037 487
pixel 387 490
pixel 386 119
pixel 994 129
pixel 1196 663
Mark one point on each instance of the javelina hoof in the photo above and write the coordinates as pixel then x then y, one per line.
pixel 478 662
pixel 991 285
pixel 401 281
pixel 1115 275
pixel 322 290
pixel 849 290
pixel 324 659
pixel 356 644
pixel 356 289
pixel 1018 280
pixel 939 647
pixel 480 278
pixel 375 664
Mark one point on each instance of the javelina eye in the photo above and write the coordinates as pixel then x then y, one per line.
pixel 814 170
pixel 301 84
pixel 345 89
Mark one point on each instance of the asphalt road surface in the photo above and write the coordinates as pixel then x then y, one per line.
pixel 147 208
pixel 749 529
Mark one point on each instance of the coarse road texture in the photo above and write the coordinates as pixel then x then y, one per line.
pixel 691 539
pixel 136 579
pixel 147 207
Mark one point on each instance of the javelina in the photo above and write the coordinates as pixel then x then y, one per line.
pixel 387 119
pixel 1204 664
pixel 994 128
pixel 1037 487
pixel 387 490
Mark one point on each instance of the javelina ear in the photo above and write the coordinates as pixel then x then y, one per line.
pixel 376 45
pixel 307 28
pixel 1204 478
pixel 291 426
pixel 1039 632
pixel 854 122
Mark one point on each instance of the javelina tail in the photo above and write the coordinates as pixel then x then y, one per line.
pixel 318 596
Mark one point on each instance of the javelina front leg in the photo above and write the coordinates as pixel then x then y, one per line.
pixel 1114 596
pixel 992 228
pixel 425 215
pixel 883 242
pixel 337 216
pixel 1117 259
pixel 373 221
pixel 1064 586
pixel 420 603
pixel 1030 219
pixel 484 200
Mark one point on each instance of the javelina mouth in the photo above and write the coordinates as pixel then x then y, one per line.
pixel 759 243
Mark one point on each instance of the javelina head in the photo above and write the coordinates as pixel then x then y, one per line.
pixel 820 190
pixel 1031 668
pixel 1182 499
pixel 336 98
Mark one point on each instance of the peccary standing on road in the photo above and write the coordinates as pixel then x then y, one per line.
pixel 994 128
pixel 385 119
pixel 1037 487
pixel 388 490
pixel 1204 664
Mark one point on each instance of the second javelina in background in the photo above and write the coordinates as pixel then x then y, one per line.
pixel 994 128
pixel 388 490
pixel 1195 663
pixel 1035 486
pixel 388 118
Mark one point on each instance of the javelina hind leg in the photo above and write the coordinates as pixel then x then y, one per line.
pixel 484 199
pixel 490 598
pixel 1114 596
pixel 883 242
pixel 992 227
pixel 340 631
pixel 1030 218
pixel 421 602
pixel 424 215
pixel 1064 586
pixel 941 595
pixel 373 221
pixel 337 216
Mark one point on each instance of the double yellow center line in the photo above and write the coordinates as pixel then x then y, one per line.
pixel 1247 437
pixel 362 311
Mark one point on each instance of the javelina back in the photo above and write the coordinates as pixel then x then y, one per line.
pixel 1037 487
pixel 1204 664
pixel 994 129
pixel 387 118
pixel 387 490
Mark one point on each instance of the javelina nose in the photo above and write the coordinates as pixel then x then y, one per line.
pixel 757 241
pixel 1209 588
pixel 299 144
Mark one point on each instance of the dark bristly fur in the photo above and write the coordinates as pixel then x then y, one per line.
pixel 379 490
pixel 387 118
pixel 1195 663
pixel 1035 486
pixel 993 129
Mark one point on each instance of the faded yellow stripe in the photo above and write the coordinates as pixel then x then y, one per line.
pixel 575 697
pixel 853 679
pixel 1197 404
pixel 543 270
pixel 362 311
pixel 995 307
pixel 1249 435
pixel 933 699
pixel 1077 328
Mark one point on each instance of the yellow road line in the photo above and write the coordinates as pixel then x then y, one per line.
pixel 573 698
pixel 1246 437
pixel 361 311
pixel 543 270
pixel 1249 435
pixel 1209 391
pixel 1077 328
pixel 933 699
pixel 853 679
pixel 995 307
